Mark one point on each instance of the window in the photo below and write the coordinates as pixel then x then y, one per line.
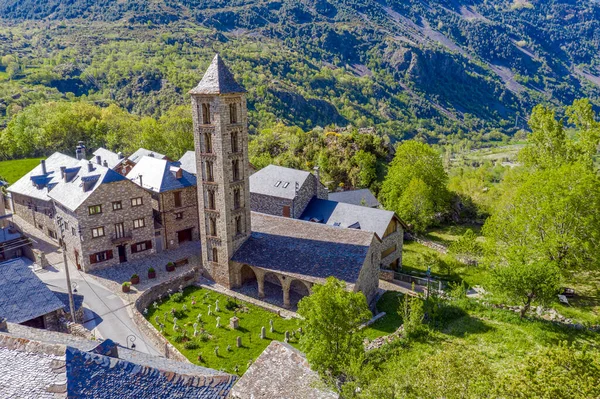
pixel 233 113
pixel 52 234
pixel 286 184
pixel 206 114
pixel 179 215
pixel 117 206
pixel 119 230
pixel 388 251
pixel 209 171
pixel 212 227
pixel 211 200
pixel 236 198
pixel 98 232
pixel 392 228
pixel 141 246
pixel 215 254
pixel 177 198
pixel 235 166
pixel 278 183
pixel 73 231
pixel 101 256
pixel 207 143
pixel 136 201
pixel 66 225
pixel 139 223
pixel 95 209
pixel 234 142
pixel 238 225
pixel 286 211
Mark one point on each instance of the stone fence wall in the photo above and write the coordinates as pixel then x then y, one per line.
pixel 147 298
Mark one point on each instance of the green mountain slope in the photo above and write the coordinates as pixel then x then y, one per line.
pixel 429 68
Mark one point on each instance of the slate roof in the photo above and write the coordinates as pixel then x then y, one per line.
pixel 9 234
pixel 47 181
pixel 142 152
pixel 50 363
pixel 297 247
pixel 339 214
pixel 281 371
pixel 71 194
pixel 158 175
pixel 23 296
pixel 265 181
pixel 188 162
pixel 111 158
pixel 218 80
pixel 362 197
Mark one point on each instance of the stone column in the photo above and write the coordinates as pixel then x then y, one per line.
pixel 285 286
pixel 260 279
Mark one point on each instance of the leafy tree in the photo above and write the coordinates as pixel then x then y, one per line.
pixel 365 170
pixel 415 186
pixel 466 245
pixel 413 315
pixel 549 216
pixel 526 282
pixel 332 317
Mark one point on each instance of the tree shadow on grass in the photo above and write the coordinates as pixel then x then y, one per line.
pixel 455 321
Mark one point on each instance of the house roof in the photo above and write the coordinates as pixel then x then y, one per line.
pixel 281 371
pixel 43 182
pixel 218 80
pixel 159 175
pixel 297 247
pixel 82 183
pixel 142 152
pixel 42 364
pixel 188 162
pixel 277 181
pixel 362 197
pixel 340 214
pixel 23 296
pixel 111 158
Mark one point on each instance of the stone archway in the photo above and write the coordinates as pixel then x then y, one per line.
pixel 247 274
pixel 298 290
pixel 274 288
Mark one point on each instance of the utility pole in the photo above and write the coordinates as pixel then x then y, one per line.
pixel 64 251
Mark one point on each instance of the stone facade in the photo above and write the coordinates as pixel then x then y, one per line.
pixel 275 206
pixel 368 279
pixel 217 183
pixel 175 219
pixel 36 212
pixel 81 246
pixel 391 247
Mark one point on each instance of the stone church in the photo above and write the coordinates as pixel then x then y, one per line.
pixel 241 246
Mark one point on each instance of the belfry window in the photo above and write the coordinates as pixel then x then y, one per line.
pixel 206 114
pixel 234 142
pixel 207 143
pixel 233 113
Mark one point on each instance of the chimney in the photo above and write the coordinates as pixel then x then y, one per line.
pixel 105 164
pixel 43 167
pixel 98 160
pixel 90 166
pixel 62 172
pixel 151 155
pixel 120 155
pixel 141 184
pixel 80 151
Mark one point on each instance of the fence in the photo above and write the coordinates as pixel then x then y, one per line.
pixel 422 281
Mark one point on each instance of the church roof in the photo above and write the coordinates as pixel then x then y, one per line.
pixel 293 246
pixel 218 80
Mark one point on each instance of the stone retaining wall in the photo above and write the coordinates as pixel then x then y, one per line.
pixel 147 298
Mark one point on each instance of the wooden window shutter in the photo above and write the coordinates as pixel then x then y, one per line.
pixel 134 249
pixel 109 254
pixel 93 259
pixel 149 244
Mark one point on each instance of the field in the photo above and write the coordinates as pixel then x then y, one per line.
pixel 13 170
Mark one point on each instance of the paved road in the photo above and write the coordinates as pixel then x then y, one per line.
pixel 105 313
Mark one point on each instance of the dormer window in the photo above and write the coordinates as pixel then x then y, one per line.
pixel 206 114
pixel 233 113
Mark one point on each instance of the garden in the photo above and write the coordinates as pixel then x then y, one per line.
pixel 197 322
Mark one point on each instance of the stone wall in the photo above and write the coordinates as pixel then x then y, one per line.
pixel 368 279
pixel 147 298
pixel 189 209
pixel 36 212
pixel 268 204
pixel 396 239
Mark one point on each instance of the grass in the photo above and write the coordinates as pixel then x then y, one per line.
pixel 14 169
pixel 250 326
pixel 388 303
pixel 446 235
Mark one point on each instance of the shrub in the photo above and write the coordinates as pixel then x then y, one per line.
pixel 135 276
pixel 191 345
pixel 177 297
pixel 230 305
pixel 151 270
pixel 413 315
pixel 203 337
pixel 126 284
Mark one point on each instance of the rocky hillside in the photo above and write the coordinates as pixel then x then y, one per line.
pixel 410 67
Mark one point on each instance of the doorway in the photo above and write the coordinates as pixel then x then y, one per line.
pixel 122 253
pixel 184 235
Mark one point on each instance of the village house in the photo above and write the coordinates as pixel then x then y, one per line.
pixel 362 197
pixel 174 200
pixel 110 159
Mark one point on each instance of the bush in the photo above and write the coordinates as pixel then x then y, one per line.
pixel 135 276
pixel 413 315
pixel 191 345
pixel 230 305
pixel 126 284
pixel 151 270
pixel 204 337
pixel 177 297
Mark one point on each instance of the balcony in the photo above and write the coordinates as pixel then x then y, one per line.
pixel 121 238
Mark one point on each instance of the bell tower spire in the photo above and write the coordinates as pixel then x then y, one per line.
pixel 221 145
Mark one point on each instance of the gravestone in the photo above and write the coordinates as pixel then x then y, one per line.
pixel 238 342
pixel 287 337
pixel 271 325
pixel 263 332
pixel 234 323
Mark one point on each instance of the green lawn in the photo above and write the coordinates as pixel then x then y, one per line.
pixel 447 234
pixel 388 303
pixel 250 326
pixel 13 170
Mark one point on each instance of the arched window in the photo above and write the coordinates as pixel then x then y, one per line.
pixel 236 198
pixel 206 114
pixel 211 200
pixel 235 166
pixel 215 254
pixel 233 113
pixel 207 143
pixel 234 142
pixel 238 225
pixel 209 171
pixel 212 227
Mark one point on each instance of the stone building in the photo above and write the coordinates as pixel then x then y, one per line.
pixel 30 198
pixel 240 247
pixel 49 365
pixel 110 159
pixel 283 191
pixel 105 218
pixel 174 200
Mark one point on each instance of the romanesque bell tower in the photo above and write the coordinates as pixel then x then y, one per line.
pixel 221 143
